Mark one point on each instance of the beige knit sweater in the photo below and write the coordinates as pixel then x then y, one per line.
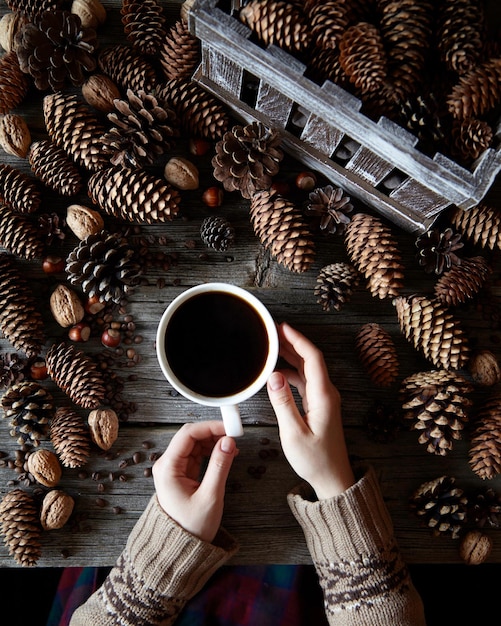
pixel 350 538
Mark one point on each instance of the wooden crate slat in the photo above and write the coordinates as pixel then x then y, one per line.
pixel 367 166
pixel 274 104
pixel 412 193
pixel 222 70
pixel 321 135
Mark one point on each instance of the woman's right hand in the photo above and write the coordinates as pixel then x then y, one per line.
pixel 313 442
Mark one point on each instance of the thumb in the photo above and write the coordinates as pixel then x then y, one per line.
pixel 282 400
pixel 218 468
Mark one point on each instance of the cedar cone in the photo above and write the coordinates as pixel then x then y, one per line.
pixel 18 191
pixel 30 408
pixel 470 137
pixel 217 232
pixel 70 437
pixel 76 374
pixel 20 526
pixel 247 157
pixel 134 195
pixel 328 21
pixel 180 53
pixel 18 235
pixel 477 92
pixel 127 68
pixel 462 282
pixel 144 25
pixel 362 56
pixel 429 326
pixel 485 442
pixel 104 265
pixel 280 228
pixel 437 403
pixel 335 285
pixel 437 250
pixel 54 168
pixel 331 206
pixel 377 353
pixel 34 8
pixel 375 254
pixel 481 224
pixel 14 84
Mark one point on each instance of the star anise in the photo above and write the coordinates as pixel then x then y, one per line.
pixel 331 206
pixel 437 250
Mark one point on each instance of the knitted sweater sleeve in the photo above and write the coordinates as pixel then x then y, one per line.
pixel 160 569
pixel 361 572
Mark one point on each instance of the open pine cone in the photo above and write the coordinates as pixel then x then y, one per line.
pixel 29 407
pixel 437 250
pixel 331 207
pixel 335 285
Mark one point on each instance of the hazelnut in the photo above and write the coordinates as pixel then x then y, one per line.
pixel 213 197
pixel 66 306
pixel 475 547
pixel 53 264
pixel 44 466
pixel 484 368
pixel 83 221
pixel 15 136
pixel 79 332
pixel 103 425
pixel 181 173
pixel 199 147
pixel 306 181
pixel 94 305
pixel 111 338
pixel 57 506
pixel 38 370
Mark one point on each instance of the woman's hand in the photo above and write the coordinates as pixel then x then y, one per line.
pixel 314 442
pixel 195 504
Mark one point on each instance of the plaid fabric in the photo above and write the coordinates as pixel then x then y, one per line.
pixel 260 595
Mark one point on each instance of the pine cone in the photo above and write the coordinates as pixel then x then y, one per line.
pixel 437 250
pixel 462 282
pixel 142 130
pixel 18 235
pixel 485 442
pixel 485 509
pixel 51 228
pixel 280 228
pixel 247 157
pixel 144 25
pixel 441 506
pixel 76 374
pixel 53 167
pixel 73 126
pixel 12 368
pixel 477 92
pixel 21 528
pixel 127 68
pixel 377 353
pixel 180 53
pixel 56 49
pixel 470 138
pixel 136 196
pixel 460 34
pixel 34 8
pixel 429 326
pixel 328 21
pixel 438 406
pixel 29 407
pixel 362 56
pixel 324 65
pixel 420 115
pixel 375 254
pixel 104 265
pixel 70 437
pixel 14 84
pixel 382 423
pixel 331 206
pixel 18 191
pixel 481 224
pixel 335 285
pixel 217 232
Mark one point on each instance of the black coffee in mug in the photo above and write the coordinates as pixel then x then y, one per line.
pixel 216 344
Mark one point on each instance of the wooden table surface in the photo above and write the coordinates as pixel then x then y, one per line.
pixel 256 511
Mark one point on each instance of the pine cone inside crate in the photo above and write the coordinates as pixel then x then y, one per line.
pixel 105 266
pixel 441 506
pixel 127 68
pixel 280 228
pixel 481 224
pixel 462 282
pixel 437 250
pixel 470 138
pixel 77 374
pixel 18 191
pixel 144 25
pixel 14 84
pixel 460 34
pixel 485 509
pixel 70 437
pixel 217 232
pixel 485 441
pixel 437 403
pixel 34 8
pixel 142 130
pixel 136 196
pixel 478 92
pixel 18 235
pixel 420 115
pixel 362 56
pixel 374 252
pixel 328 21
pixel 54 168
pixel 331 207
pixel 377 354
pixel 180 53
pixel 12 368
pixel 335 285
pixel 19 519
pixel 56 50
pixel 432 329
pixel 29 407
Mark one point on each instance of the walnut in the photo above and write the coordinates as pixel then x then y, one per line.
pixel 100 92
pixel 65 306
pixel 57 506
pixel 484 368
pixel 15 136
pixel 475 547
pixel 44 466
pixel 103 424
pixel 91 12
pixel 181 173
pixel 83 221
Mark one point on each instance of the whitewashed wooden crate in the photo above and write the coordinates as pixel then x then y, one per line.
pixel 323 128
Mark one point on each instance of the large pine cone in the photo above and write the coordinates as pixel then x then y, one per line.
pixel 462 282
pixel 432 329
pixel 76 374
pixel 29 407
pixel 105 266
pixel 331 207
pixel 18 191
pixel 328 21
pixel 134 195
pixel 437 404
pixel 20 318
pixel 335 285
pixel 21 528
pixel 70 437
pixel 14 84
pixel 477 92
pixel 460 34
pixel 362 56
pixel 180 53
pixel 470 138
pixel 485 444
pixel 280 227
pixel 18 235
pixel 481 224
pixel 127 68
pixel 377 353
pixel 144 25
pixel 437 250
pixel 34 8
pixel 54 168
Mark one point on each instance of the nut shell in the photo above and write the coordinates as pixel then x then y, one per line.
pixel 57 506
pixel 484 368
pixel 44 466
pixel 65 306
pixel 83 221
pixel 181 173
pixel 475 547
pixel 15 136
pixel 100 91
pixel 91 12
pixel 103 425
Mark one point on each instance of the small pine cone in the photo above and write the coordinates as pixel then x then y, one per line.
pixel 437 250
pixel 180 53
pixel 136 196
pixel 21 528
pixel 76 374
pixel 383 423
pixel 74 127
pixel 362 56
pixel 34 8
pixel 217 232
pixel 462 282
pixel 144 25
pixel 14 84
pixel 429 326
pixel 199 113
pixel 375 254
pixel 104 265
pixel 420 115
pixel 328 21
pixel 485 509
pixel 377 353
pixel 12 368
pixel 18 191
pixel 247 157
pixel 51 228
pixel 477 92
pixel 470 137
pixel 29 407
pixel 127 68
pixel 438 405
pixel 335 285
pixel 481 224
pixel 70 437
pixel 280 228
pixel 441 506
pixel 485 441
pixel 18 235
pixel 277 23
pixel 330 205
pixel 53 167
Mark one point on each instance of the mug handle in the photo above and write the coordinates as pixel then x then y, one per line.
pixel 231 420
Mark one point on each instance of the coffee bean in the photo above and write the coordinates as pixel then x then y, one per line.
pixel 147 472
pixel 117 510
pixel 137 457
pixel 101 502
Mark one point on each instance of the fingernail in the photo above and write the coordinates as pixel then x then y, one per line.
pixel 276 381
pixel 227 444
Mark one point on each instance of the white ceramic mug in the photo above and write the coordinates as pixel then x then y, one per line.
pixel 228 402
